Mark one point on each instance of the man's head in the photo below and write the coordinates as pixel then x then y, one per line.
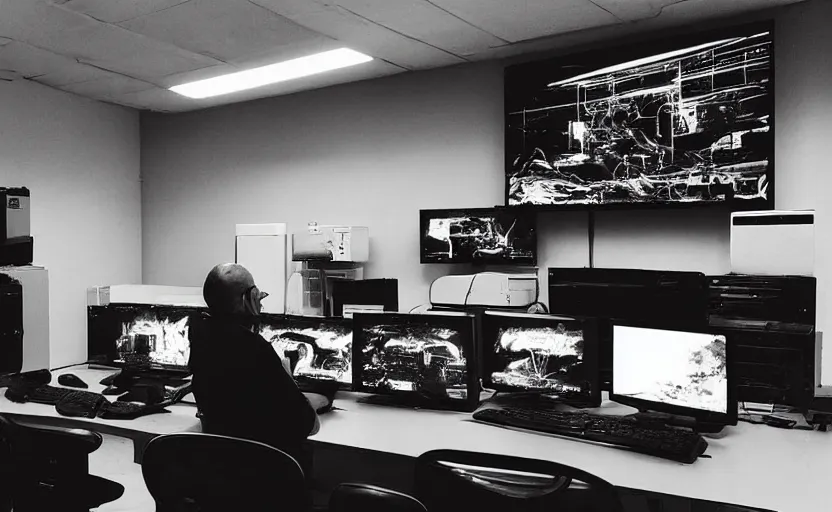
pixel 229 289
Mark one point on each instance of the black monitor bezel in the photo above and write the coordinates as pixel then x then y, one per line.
pixel 667 42
pixel 463 323
pixel 590 356
pixel 528 213
pixel 705 416
pixel 271 318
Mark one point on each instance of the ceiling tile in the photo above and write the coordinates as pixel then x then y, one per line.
pixel 109 87
pixel 529 19
pixel 29 20
pixel 633 10
pixel 122 51
pixel 223 29
pixel 425 21
pixel 362 35
pixel 115 11
pixel 44 66
pixel 159 100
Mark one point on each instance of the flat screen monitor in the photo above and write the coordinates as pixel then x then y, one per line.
pixel 541 353
pixel 672 371
pixel 318 349
pixel 140 336
pixel 491 236
pixel 418 358
pixel 649 297
pixel 681 121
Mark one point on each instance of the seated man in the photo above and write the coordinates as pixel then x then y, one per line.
pixel 242 387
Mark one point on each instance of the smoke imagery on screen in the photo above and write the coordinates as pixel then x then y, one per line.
pixel 155 337
pixel 316 350
pixel 421 359
pixel 691 125
pixel 486 236
pixel 675 368
pixel 548 359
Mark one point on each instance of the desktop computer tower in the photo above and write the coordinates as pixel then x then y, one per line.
pixel 11 325
pixel 28 315
pixel 771 322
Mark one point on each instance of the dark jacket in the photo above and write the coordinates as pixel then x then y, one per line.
pixel 242 389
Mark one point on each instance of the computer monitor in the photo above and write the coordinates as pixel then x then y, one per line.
pixel 140 336
pixel 541 353
pixel 493 236
pixel 425 360
pixel 318 349
pixel 686 373
pixel 651 297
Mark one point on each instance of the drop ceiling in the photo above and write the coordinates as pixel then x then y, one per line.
pixel 129 52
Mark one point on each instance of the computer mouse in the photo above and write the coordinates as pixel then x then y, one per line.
pixel 113 390
pixel 109 379
pixel 320 403
pixel 72 381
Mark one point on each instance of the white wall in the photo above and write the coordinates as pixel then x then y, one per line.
pixel 374 153
pixel 80 159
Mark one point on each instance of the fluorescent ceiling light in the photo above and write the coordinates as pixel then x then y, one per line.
pixel 272 74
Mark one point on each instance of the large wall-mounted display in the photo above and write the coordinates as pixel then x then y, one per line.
pixel 688 120
pixel 492 236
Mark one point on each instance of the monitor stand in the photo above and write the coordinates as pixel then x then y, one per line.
pixel 408 401
pixel 647 418
pixel 538 399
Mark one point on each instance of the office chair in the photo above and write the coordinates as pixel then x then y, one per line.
pixel 351 497
pixel 205 473
pixel 47 468
pixel 449 480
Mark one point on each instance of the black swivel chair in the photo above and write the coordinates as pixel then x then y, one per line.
pixel 350 497
pixel 448 480
pixel 47 468
pixel 207 473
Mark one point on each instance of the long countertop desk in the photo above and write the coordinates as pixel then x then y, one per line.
pixel 752 465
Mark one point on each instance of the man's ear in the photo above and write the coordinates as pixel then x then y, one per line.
pixel 249 303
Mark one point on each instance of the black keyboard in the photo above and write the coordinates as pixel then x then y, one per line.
pixel 49 395
pixel 128 410
pixel 667 443
pixel 84 404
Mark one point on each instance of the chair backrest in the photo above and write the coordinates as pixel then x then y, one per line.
pixel 207 472
pixel 44 466
pixel 352 497
pixel 448 479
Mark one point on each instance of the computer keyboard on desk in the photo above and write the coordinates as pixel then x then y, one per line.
pixel 49 395
pixel 667 443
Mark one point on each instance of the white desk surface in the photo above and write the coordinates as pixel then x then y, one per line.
pixel 181 418
pixel 752 465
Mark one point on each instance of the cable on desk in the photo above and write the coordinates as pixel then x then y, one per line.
pixel 590 232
